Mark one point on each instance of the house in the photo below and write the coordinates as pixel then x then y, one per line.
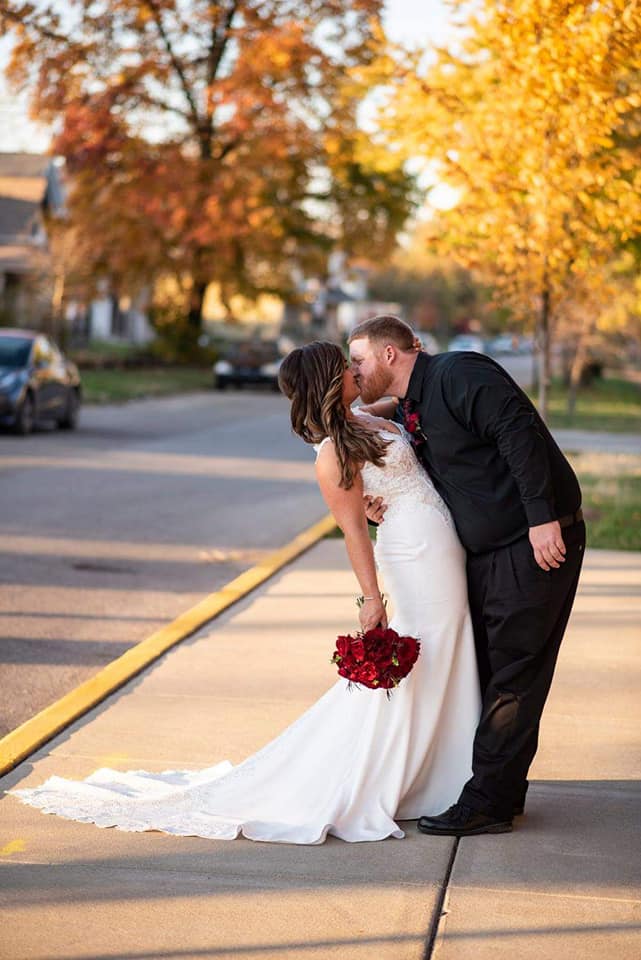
pixel 32 287
pixel 30 190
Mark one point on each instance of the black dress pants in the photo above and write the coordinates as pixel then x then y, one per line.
pixel 519 613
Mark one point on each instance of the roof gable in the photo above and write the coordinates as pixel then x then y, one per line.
pixel 24 165
pixel 29 184
pixel 19 220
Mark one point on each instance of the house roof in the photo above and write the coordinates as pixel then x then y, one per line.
pixel 29 183
pixel 17 218
pixel 336 295
pixel 24 165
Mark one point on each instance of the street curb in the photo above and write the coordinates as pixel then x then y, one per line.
pixel 26 738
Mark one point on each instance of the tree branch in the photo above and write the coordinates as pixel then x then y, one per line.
pixel 20 17
pixel 219 38
pixel 193 107
pixel 151 101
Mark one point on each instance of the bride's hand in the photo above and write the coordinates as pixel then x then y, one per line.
pixel 371 614
pixel 374 509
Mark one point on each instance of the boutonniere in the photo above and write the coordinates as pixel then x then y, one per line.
pixel 412 423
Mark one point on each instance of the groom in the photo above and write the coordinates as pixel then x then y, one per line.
pixel 516 504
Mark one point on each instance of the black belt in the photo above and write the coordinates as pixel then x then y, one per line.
pixel 571 518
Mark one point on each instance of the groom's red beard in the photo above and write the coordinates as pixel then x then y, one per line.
pixel 375 385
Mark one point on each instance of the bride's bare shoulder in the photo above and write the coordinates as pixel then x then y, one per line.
pixel 329 474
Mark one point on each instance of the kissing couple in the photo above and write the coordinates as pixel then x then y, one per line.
pixel 479 545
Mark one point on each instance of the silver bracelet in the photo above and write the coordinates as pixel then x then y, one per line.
pixel 360 600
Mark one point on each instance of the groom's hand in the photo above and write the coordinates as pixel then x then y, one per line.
pixel 548 545
pixel 374 509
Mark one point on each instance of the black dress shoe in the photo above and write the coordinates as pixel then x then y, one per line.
pixel 462 821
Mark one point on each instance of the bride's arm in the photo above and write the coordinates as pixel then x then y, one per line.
pixel 381 408
pixel 348 511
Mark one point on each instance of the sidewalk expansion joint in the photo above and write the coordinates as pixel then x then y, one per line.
pixel 432 934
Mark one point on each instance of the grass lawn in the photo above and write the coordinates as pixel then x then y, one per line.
pixel 609 404
pixel 113 386
pixel 611 485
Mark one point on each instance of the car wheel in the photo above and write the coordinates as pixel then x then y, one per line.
pixel 25 416
pixel 70 419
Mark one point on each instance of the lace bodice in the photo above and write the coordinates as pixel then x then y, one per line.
pixel 402 482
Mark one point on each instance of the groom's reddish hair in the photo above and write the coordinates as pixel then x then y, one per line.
pixel 385 328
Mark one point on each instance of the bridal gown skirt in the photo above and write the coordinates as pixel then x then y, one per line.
pixel 355 761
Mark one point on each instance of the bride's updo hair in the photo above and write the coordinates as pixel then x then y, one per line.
pixel 312 378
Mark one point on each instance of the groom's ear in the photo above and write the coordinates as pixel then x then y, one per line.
pixel 389 352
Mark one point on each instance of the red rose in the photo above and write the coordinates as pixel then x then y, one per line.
pixel 412 423
pixel 366 673
pixel 358 649
pixel 342 645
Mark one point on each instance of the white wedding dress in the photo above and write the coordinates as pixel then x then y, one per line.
pixel 355 762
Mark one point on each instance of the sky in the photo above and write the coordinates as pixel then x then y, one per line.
pixel 413 22
pixel 417 22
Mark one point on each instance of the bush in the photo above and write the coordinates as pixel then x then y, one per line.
pixel 108 355
pixel 178 341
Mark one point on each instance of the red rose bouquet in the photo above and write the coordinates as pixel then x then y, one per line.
pixel 378 658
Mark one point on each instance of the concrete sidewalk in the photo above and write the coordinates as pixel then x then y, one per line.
pixel 593 441
pixel 567 881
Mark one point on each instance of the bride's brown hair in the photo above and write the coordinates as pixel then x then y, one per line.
pixel 312 378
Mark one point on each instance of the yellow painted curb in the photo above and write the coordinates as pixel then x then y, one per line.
pixel 34 732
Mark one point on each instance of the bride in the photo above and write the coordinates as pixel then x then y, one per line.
pixel 355 762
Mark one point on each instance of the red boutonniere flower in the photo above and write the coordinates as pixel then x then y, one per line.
pixel 412 423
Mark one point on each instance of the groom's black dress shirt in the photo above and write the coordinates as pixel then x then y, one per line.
pixel 487 450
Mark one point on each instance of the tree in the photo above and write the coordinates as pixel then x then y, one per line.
pixel 436 294
pixel 533 116
pixel 197 135
pixel 601 318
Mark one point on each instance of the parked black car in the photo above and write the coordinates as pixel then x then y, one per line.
pixel 254 362
pixel 37 382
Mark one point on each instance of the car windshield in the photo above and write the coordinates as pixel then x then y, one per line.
pixel 14 351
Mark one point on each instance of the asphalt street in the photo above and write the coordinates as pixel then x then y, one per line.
pixel 109 532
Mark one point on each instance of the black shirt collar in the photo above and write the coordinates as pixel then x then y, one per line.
pixel 415 386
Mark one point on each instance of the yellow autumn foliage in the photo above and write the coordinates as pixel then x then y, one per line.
pixel 533 115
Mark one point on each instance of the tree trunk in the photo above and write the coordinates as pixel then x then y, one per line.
pixel 573 386
pixel 576 370
pixel 196 302
pixel 57 297
pixel 535 362
pixel 225 299
pixel 544 352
